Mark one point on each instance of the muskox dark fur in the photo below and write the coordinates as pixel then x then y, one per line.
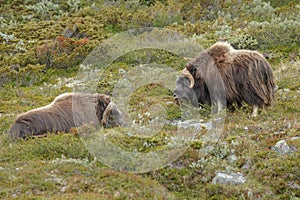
pixel 66 111
pixel 222 76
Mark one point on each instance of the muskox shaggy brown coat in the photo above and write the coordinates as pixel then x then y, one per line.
pixel 241 75
pixel 66 111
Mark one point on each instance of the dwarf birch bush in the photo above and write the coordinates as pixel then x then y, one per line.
pixel 45 9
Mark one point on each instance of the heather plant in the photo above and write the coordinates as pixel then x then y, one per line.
pixel 243 41
pixel 166 14
pixel 7 23
pixel 45 9
pixel 74 5
pixel 6 38
pixel 258 10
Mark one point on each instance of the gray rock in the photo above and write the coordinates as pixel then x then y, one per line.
pixel 121 71
pixel 232 158
pixel 282 148
pixel 231 178
pixel 295 138
pixel 64 189
pixel 294 185
pixel 197 125
pixel 56 180
pixel 247 165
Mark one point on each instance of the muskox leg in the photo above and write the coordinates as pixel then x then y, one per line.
pixel 220 106
pixel 254 111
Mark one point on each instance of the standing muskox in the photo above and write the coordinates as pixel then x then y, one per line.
pixel 66 111
pixel 221 75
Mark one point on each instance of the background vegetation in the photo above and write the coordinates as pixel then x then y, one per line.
pixel 43 43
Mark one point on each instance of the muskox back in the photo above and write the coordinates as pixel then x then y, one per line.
pixel 66 111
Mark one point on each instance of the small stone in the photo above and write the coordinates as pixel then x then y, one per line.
pixel 281 147
pixel 57 180
pixel 64 189
pixel 231 178
pixel 250 194
pixel 247 165
pixel 117 194
pixel 232 158
pixel 15 67
pixel 189 124
pixel 293 149
pixel 294 186
pixel 121 71
pixel 295 138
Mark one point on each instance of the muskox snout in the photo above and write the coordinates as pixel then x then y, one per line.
pixel 176 98
pixel 185 98
pixel 179 100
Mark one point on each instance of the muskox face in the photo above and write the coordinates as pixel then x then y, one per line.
pixel 115 119
pixel 20 130
pixel 112 116
pixel 183 93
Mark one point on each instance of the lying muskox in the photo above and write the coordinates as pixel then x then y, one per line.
pixel 223 76
pixel 66 111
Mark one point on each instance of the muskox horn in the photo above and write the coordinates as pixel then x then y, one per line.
pixel 187 59
pixel 188 74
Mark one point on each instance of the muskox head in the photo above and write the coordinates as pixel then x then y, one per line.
pixel 112 116
pixel 191 85
pixel 20 130
pixel 184 92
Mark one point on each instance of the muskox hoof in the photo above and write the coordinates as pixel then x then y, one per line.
pixel 255 111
